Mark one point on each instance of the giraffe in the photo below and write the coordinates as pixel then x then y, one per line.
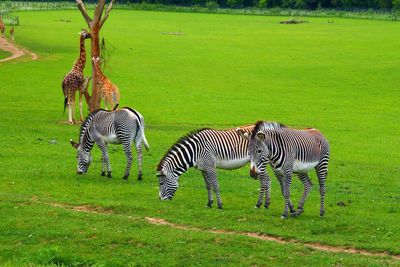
pixel 12 33
pixel 74 80
pixel 2 28
pixel 109 91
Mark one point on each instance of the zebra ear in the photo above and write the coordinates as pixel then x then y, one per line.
pixel 242 134
pixel 261 136
pixel 75 145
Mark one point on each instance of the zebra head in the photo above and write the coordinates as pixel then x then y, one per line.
pixel 84 158
pixel 168 182
pixel 259 153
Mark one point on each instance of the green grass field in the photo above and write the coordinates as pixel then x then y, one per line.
pixel 4 54
pixel 225 71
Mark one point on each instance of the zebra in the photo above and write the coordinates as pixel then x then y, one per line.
pixel 122 126
pixel 205 149
pixel 289 151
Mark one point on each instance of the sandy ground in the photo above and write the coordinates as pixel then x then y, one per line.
pixel 15 50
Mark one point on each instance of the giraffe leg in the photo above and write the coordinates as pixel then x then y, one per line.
pixel 80 105
pixel 73 107
pixel 70 121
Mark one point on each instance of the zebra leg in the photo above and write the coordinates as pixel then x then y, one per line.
pixel 286 193
pixel 140 160
pixel 129 158
pixel 265 185
pixel 103 166
pixel 262 179
pixel 212 175
pixel 281 179
pixel 105 158
pixel 307 188
pixel 322 172
pixel 208 185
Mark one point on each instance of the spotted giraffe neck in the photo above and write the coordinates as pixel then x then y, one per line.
pixel 80 63
pixel 99 73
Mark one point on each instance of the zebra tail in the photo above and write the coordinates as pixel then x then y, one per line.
pixel 146 145
pixel 65 103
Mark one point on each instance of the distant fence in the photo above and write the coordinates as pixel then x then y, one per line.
pixel 5 14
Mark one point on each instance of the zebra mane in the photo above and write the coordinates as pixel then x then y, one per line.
pixel 85 124
pixel 266 125
pixel 181 140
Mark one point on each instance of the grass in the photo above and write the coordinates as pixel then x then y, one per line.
pixel 341 78
pixel 4 54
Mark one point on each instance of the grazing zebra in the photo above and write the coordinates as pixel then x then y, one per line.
pixel 206 150
pixel 289 151
pixel 111 127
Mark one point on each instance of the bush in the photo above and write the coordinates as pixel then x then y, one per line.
pixel 396 5
pixel 212 5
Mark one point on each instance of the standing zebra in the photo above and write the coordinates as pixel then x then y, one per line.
pixel 289 151
pixel 111 127
pixel 206 150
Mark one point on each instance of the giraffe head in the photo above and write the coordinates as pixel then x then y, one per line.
pixel 84 34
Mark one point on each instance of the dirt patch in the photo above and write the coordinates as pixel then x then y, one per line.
pixel 316 246
pixel 83 208
pixel 15 50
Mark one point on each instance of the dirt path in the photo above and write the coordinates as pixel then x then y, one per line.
pixel 261 236
pixel 276 239
pixel 15 50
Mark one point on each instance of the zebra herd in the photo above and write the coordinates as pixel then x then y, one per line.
pixel 288 151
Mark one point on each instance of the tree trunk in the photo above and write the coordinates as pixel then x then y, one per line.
pixel 95 52
pixel 95 25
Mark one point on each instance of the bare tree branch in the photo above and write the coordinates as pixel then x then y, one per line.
pixel 99 10
pixel 83 11
pixel 110 6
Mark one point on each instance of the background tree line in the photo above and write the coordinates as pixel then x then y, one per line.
pixel 291 4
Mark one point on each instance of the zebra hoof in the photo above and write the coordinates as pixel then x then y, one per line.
pixel 257 206
pixel 266 206
pixel 297 213
pixel 125 177
pixel 109 175
pixel 103 174
pixel 209 205
pixel 139 178
pixel 283 216
pixel 220 207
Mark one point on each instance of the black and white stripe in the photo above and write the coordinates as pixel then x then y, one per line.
pixel 111 127
pixel 204 149
pixel 289 151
